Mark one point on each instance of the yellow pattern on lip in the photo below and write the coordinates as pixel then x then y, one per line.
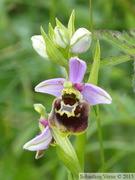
pixel 68 110
pixel 69 89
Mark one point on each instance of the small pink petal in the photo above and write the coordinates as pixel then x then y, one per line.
pixel 79 86
pixel 44 122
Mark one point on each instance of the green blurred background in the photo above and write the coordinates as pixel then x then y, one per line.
pixel 21 69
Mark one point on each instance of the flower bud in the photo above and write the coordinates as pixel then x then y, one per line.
pixel 60 38
pixel 80 41
pixel 41 110
pixel 39 45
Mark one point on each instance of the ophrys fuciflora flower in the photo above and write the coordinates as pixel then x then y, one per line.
pixel 70 110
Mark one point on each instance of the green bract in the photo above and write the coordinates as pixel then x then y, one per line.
pixel 53 52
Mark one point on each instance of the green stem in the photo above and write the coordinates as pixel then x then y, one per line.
pixel 52 12
pixel 93 79
pixel 80 148
pixel 96 108
pixel 81 139
pixel 92 28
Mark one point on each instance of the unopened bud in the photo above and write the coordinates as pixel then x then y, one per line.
pixel 80 42
pixel 39 45
pixel 60 38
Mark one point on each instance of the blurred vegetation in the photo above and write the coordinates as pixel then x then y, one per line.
pixel 21 68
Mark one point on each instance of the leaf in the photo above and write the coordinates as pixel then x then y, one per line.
pixel 51 32
pixel 122 40
pixel 132 31
pixel 64 29
pixel 133 77
pixel 93 79
pixel 130 39
pixel 112 60
pixel 69 162
pixel 71 27
pixel 67 154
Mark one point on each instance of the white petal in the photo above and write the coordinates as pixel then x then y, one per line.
pixel 39 45
pixel 80 42
pixel 60 38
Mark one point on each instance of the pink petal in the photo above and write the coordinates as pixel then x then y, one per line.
pixel 44 122
pixel 77 70
pixel 95 95
pixel 40 142
pixel 51 86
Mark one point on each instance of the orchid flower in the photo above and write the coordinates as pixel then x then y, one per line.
pixel 71 108
pixel 42 141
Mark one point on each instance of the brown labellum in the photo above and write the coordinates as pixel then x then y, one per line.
pixel 69 114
